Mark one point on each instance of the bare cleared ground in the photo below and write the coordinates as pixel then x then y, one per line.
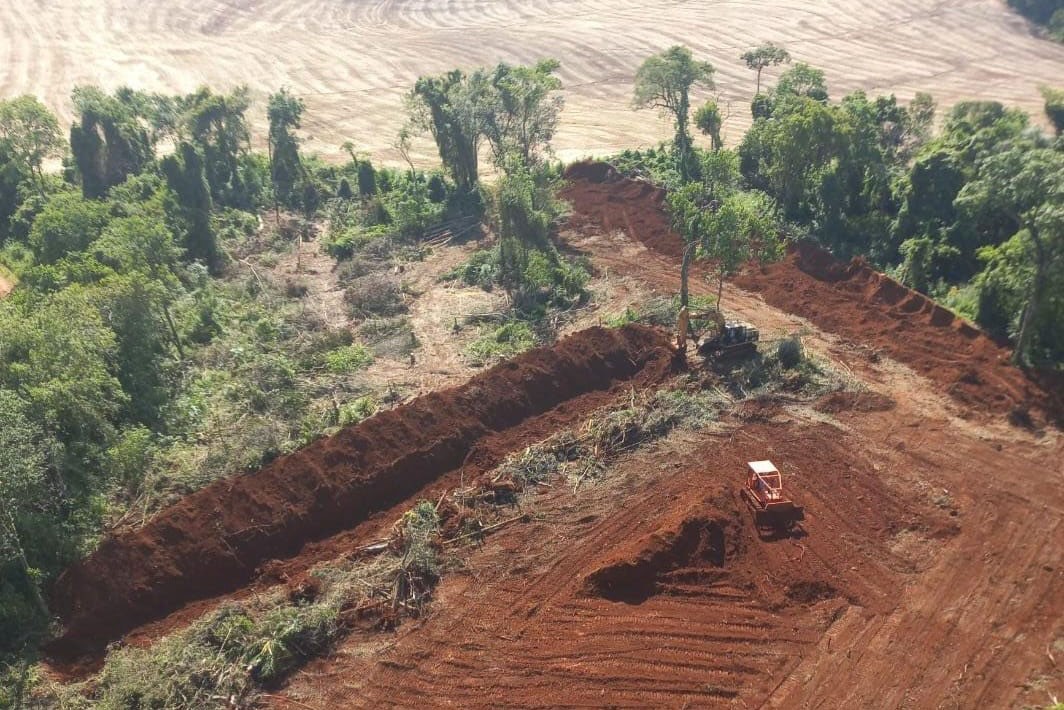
pixel 352 60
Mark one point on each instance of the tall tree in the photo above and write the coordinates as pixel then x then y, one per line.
pixel 186 175
pixel 766 55
pixel 285 113
pixel 723 224
pixel 31 132
pixel 524 110
pixel 664 81
pixel 709 121
pixel 24 494
pixel 1054 107
pixel 110 141
pixel 217 125
pixel 802 80
pixel 1027 186
pixel 452 107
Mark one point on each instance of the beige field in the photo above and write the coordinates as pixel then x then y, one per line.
pixel 352 60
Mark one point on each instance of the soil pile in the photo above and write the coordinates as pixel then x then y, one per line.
pixel 604 199
pixel 214 540
pixel 850 299
pixel 858 302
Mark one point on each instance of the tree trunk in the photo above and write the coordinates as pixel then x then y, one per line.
pixel 685 270
pixel 720 288
pixel 25 564
pixel 1030 313
pixel 757 91
pixel 173 332
pixel 1027 325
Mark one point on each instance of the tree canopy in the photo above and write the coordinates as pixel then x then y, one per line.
pixel 664 81
pixel 765 55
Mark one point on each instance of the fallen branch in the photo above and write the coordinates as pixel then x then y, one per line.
pixel 496 526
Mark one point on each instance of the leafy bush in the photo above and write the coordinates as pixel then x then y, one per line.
pixel 622 319
pixel 503 342
pixel 348 359
pixel 789 352
pixel 354 412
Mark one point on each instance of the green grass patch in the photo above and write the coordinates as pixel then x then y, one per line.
pixel 500 343
pixel 348 359
pixel 356 411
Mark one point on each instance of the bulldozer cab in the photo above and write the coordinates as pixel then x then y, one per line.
pixel 766 481
pixel 774 514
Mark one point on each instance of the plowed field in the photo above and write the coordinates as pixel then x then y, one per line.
pixel 353 61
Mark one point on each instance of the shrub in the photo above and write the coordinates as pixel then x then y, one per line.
pixel 350 358
pixel 374 295
pixel 622 319
pixel 503 342
pixel 354 412
pixel 789 352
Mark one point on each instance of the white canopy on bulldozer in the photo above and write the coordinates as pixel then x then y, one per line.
pixel 762 467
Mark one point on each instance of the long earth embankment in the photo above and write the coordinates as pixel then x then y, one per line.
pixel 213 541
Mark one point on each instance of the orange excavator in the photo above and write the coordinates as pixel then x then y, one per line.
pixel 763 492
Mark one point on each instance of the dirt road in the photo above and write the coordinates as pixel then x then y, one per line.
pixel 353 61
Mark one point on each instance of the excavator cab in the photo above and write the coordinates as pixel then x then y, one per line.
pixel 734 333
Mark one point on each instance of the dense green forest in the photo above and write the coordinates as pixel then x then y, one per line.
pixel 1048 13
pixel 142 356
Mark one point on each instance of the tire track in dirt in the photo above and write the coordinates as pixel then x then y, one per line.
pixel 973 625
pixel 516 628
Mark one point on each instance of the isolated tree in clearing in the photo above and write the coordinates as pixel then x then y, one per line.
pixel 664 81
pixel 767 55
pixel 723 224
pixel 709 122
pixel 523 115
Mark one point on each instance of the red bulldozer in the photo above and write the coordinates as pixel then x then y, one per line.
pixel 763 492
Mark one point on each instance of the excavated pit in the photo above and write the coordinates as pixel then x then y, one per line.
pixel 214 541
pixel 693 552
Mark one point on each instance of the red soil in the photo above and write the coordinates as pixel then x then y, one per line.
pixel 852 300
pixel 857 302
pixel 657 592
pixel 214 541
pixel 602 197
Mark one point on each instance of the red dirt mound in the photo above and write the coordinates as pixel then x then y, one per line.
pixel 852 300
pixel 860 303
pixel 213 541
pixel 604 199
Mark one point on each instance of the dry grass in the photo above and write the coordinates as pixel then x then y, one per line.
pixel 342 56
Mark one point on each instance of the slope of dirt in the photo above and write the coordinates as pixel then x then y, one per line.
pixel 852 300
pixel 214 540
pixel 957 50
pixel 653 591
pixel 604 199
pixel 860 303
